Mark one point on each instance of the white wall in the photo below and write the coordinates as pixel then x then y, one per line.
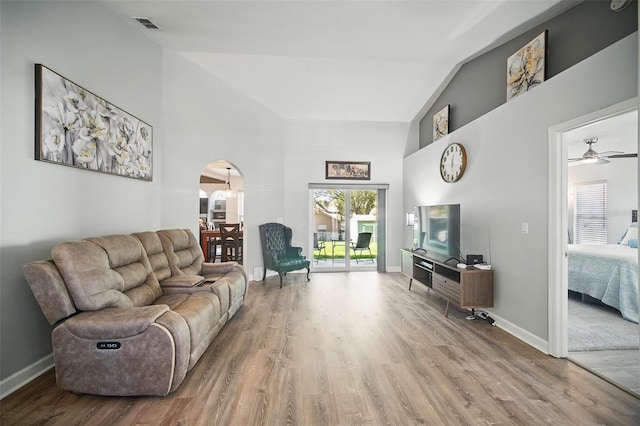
pixel 206 120
pixel 43 203
pixel 310 143
pixel 506 181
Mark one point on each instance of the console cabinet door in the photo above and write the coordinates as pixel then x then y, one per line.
pixel 477 289
pixel 447 287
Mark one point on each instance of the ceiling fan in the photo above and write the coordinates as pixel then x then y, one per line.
pixel 592 157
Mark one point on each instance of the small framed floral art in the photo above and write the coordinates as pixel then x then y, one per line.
pixel 526 67
pixel 77 128
pixel 441 123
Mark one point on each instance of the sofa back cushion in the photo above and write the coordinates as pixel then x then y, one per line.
pixel 183 251
pixel 128 258
pixel 155 253
pixel 92 283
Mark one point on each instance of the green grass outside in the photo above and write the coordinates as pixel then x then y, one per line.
pixel 338 252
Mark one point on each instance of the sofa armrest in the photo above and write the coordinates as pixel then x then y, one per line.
pixel 122 351
pixel 114 323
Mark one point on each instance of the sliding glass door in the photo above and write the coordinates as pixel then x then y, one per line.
pixel 345 224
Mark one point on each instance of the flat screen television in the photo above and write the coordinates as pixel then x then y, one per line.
pixel 437 230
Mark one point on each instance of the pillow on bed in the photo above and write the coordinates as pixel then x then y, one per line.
pixel 633 243
pixel 632 234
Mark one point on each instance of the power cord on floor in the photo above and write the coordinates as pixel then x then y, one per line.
pixel 481 315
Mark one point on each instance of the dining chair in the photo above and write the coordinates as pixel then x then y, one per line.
pixel 230 242
pixel 212 244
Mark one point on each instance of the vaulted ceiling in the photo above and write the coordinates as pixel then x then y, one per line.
pixel 336 60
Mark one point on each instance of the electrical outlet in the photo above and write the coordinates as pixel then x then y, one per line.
pixel 525 228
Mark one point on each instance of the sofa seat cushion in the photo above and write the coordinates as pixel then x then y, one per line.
pixel 202 313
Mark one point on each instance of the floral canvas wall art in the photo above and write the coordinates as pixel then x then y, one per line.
pixel 75 127
pixel 526 67
pixel 441 123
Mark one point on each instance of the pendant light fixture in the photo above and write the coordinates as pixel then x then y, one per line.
pixel 228 192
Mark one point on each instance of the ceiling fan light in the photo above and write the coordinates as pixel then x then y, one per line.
pixel 589 160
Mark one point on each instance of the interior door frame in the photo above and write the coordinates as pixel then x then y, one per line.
pixel 558 285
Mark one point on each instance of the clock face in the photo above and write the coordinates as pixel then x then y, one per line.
pixel 453 163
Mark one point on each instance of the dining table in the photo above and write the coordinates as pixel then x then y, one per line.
pixel 205 236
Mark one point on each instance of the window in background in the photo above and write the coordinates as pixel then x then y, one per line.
pixel 590 221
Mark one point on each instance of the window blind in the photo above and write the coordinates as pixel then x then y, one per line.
pixel 590 221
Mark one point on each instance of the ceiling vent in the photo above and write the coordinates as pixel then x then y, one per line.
pixel 146 22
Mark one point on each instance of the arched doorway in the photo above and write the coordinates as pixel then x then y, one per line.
pixel 221 202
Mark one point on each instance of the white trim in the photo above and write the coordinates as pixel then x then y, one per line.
pixel 521 333
pixel 394 269
pixel 557 237
pixel 26 375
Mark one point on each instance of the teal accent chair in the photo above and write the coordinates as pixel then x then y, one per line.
pixel 277 253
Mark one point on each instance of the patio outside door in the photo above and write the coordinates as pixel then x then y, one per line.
pixel 345 228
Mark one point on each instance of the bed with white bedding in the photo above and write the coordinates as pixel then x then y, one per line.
pixel 608 273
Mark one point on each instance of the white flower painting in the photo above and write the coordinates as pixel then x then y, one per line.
pixel 526 67
pixel 441 123
pixel 77 128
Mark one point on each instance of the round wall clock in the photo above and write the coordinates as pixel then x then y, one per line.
pixel 453 162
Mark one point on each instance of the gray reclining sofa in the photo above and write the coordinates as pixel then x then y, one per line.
pixel 132 314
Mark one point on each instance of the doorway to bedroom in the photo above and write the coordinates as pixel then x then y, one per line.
pixel 596 296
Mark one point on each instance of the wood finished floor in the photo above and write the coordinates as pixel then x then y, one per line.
pixel 621 367
pixel 350 349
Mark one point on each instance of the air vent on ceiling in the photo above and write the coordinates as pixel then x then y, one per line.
pixel 146 22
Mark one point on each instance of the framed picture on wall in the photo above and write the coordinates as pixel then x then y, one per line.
pixel 352 170
pixel 526 67
pixel 77 128
pixel 441 123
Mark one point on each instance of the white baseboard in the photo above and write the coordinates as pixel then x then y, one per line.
pixel 24 376
pixel 393 269
pixel 522 334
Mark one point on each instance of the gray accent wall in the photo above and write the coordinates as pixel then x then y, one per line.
pixel 479 86
pixel 506 182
